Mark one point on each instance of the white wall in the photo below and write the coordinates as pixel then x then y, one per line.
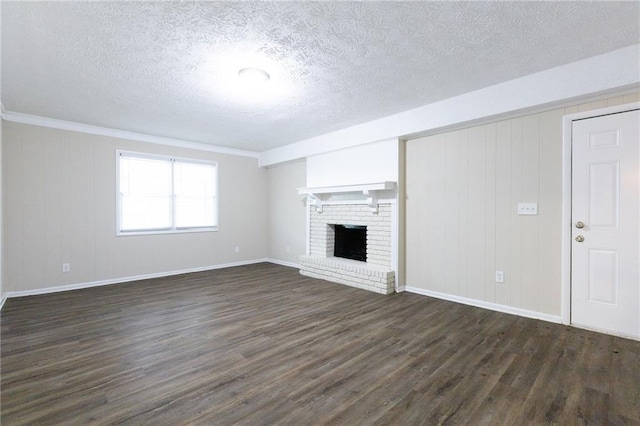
pixel 286 212
pixel 462 192
pixel 373 162
pixel 1 180
pixel 1 212
pixel 59 199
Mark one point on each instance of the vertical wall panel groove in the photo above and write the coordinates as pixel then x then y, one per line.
pixel 515 279
pixel 474 184
pixel 529 224
pixel 452 169
pixel 462 213
pixel 490 215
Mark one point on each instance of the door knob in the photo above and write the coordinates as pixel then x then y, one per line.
pixel 579 238
pixel 579 225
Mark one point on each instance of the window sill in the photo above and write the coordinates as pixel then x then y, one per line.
pixel 168 231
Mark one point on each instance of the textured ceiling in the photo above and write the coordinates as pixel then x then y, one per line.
pixel 170 68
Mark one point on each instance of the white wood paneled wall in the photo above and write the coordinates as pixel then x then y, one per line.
pixel 462 225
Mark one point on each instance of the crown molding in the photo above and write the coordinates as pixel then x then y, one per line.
pixel 53 123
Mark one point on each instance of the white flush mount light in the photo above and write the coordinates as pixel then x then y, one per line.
pixel 253 76
pixel 242 75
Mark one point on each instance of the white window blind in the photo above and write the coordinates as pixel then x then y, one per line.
pixel 194 187
pixel 163 194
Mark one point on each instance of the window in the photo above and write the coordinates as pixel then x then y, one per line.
pixel 159 194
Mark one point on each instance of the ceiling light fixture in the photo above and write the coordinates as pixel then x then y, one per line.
pixel 253 75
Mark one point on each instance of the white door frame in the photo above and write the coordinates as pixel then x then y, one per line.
pixel 567 123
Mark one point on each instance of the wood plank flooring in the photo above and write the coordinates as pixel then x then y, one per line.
pixel 262 344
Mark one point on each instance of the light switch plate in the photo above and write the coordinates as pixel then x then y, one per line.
pixel 528 208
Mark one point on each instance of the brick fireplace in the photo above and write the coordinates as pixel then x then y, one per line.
pixel 377 273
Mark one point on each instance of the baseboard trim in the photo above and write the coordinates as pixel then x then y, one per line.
pixel 486 305
pixel 606 331
pixel 2 300
pixel 79 286
pixel 283 263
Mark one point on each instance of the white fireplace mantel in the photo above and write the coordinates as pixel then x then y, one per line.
pixel 369 190
pixel 362 187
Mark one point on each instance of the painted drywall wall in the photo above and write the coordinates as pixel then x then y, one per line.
pixel 286 212
pixel 373 162
pixel 1 216
pixel 461 224
pixel 1 180
pixel 59 196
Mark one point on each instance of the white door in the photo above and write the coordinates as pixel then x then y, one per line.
pixel 605 256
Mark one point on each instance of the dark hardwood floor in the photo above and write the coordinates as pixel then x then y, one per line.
pixel 262 344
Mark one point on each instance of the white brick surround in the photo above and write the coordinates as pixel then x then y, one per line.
pixel 376 274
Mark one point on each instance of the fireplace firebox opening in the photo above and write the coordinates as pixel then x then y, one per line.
pixel 350 242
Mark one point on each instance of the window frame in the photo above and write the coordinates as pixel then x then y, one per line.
pixel 173 229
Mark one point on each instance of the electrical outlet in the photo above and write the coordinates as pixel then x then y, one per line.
pixel 66 267
pixel 237 249
pixel 499 276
